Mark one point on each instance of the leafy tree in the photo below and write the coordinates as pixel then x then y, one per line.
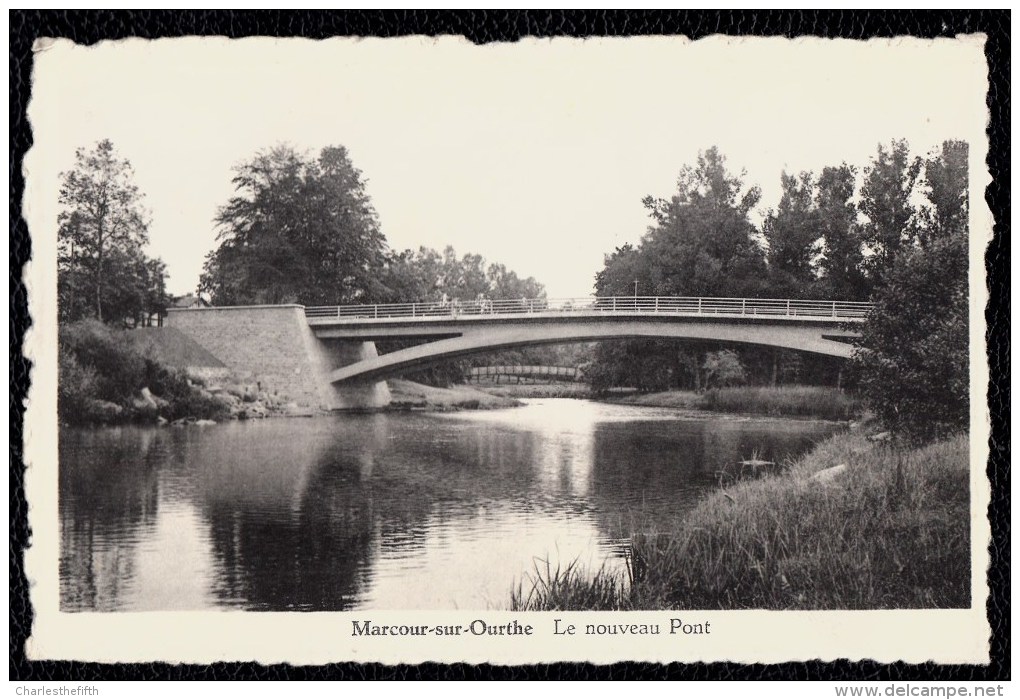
pixel 505 284
pixel 946 177
pixel 102 231
pixel 620 270
pixel 702 242
pixel 428 275
pixel 791 233
pixel 886 201
pixel 298 230
pixel 414 275
pixel 723 368
pixel 841 262
pixel 912 356
pixel 646 366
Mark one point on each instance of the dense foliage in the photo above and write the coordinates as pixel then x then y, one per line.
pixel 912 356
pixel 883 235
pixel 428 275
pixel 102 375
pixel 299 230
pixel 303 230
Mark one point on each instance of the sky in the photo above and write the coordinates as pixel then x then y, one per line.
pixel 536 154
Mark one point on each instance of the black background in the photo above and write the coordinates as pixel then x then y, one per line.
pixel 87 27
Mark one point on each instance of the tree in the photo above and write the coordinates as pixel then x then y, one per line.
pixel 102 230
pixel 723 368
pixel 912 356
pixel 414 275
pixel 792 235
pixel 702 241
pixel 889 185
pixel 946 177
pixel 428 275
pixel 505 284
pixel 620 270
pixel 463 278
pixel 841 260
pixel 298 230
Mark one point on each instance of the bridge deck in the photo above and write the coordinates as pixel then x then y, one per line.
pixel 588 307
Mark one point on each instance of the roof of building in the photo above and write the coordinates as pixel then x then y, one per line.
pixel 188 301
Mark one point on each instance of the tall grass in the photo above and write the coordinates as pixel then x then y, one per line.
pixel 569 587
pixel 892 531
pixel 794 400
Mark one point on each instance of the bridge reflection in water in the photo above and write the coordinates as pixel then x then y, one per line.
pixel 378 511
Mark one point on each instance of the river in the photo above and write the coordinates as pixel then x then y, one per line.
pixel 382 511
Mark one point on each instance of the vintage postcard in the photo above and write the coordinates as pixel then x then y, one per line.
pixel 408 350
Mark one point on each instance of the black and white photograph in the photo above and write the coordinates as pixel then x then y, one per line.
pixel 436 345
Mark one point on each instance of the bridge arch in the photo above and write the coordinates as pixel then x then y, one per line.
pixel 473 339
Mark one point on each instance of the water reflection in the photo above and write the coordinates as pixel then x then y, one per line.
pixel 378 511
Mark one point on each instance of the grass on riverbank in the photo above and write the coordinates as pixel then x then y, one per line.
pixel 892 531
pixel 814 401
pixel 548 390
pixel 412 395
pixel 827 403
pixel 568 587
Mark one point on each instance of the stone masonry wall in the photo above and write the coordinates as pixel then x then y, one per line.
pixel 275 346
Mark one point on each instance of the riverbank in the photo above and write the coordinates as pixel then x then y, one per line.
pixel 545 390
pixel 107 376
pixel 826 403
pixel 407 395
pixel 854 524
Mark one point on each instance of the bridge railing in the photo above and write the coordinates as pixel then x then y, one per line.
pixel 683 306
pixel 541 371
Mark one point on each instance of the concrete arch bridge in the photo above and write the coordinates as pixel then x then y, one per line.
pixel 326 355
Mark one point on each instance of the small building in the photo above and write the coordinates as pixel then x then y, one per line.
pixel 189 301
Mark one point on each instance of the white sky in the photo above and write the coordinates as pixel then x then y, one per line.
pixel 535 154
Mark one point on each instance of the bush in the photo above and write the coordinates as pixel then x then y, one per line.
pixel 76 386
pixel 101 374
pixel 119 369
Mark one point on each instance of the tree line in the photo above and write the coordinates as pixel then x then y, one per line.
pixel 845 233
pixel 301 228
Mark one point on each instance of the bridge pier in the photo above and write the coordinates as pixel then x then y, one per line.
pixel 275 346
pixel 356 395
